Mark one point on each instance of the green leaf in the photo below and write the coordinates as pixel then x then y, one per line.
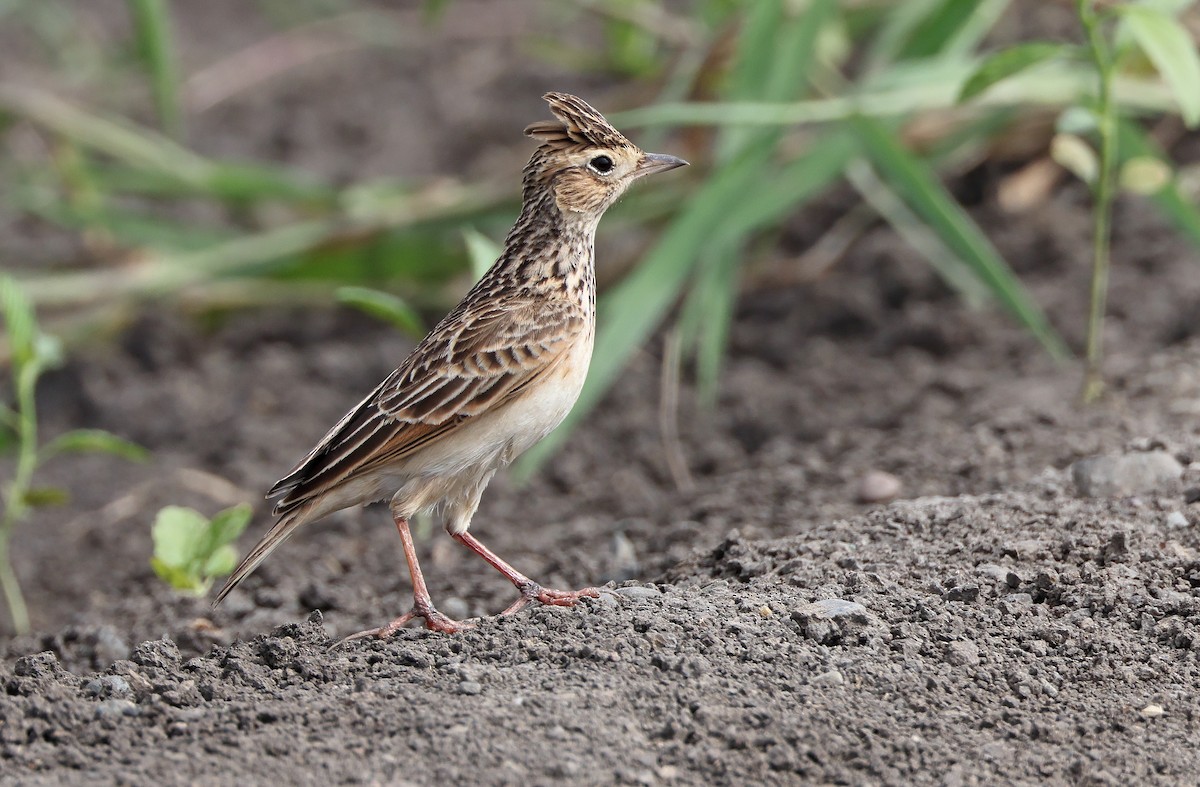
pixel 221 563
pixel 1007 63
pixel 1170 47
pixel 178 578
pixel 152 29
pixel 19 321
pixel 919 187
pixel 481 250
pixel 176 534
pixel 44 496
pixel 94 441
pixel 384 306
pixel 223 529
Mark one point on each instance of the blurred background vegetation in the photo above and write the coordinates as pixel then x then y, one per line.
pixel 117 179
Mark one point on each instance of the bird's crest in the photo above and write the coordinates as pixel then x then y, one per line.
pixel 578 125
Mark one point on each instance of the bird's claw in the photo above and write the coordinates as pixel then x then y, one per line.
pixel 434 621
pixel 549 597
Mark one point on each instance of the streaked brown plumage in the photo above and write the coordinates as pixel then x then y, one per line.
pixel 495 376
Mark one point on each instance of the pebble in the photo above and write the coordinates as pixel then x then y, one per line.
pixel 638 592
pixel 37 665
pixel 962 653
pixel 160 653
pixel 833 608
pixel 876 486
pixel 470 687
pixel 1014 602
pixel 115 708
pixel 108 686
pixel 832 620
pixel 831 678
pixel 1153 711
pixel 1124 475
pixel 1177 520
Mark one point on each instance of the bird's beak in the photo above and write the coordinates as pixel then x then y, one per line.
pixel 658 162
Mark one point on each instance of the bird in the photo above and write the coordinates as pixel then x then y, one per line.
pixel 494 377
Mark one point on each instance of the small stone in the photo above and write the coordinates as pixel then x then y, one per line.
pixel 37 665
pixel 160 653
pixel 116 708
pixel 1116 548
pixel 1015 602
pixel 1191 495
pixel 108 686
pixel 837 608
pixel 831 678
pixel 876 486
pixel 1177 520
pixel 1124 475
pixel 997 574
pixel 833 620
pixel 962 653
pixel 1153 711
pixel 638 592
pixel 967 593
pixel 470 687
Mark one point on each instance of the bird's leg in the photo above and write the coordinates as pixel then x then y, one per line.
pixel 530 590
pixel 422 604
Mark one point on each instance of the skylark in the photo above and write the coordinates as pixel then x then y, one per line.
pixel 495 376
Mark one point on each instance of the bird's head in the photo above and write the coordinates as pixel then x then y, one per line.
pixel 583 162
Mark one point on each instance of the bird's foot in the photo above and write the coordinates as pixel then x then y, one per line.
pixel 549 596
pixel 434 621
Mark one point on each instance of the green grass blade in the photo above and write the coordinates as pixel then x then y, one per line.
pixel 923 192
pixel 708 314
pixel 938 28
pixel 916 233
pixel 384 306
pixel 94 441
pixel 152 29
pixel 149 151
pixel 1007 63
pixel 1171 48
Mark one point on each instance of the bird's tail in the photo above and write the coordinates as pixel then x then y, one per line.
pixel 286 525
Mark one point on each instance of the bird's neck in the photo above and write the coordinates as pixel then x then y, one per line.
pixel 550 252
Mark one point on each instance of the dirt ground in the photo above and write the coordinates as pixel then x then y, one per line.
pixel 763 626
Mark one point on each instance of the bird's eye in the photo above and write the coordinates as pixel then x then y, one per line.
pixel 601 164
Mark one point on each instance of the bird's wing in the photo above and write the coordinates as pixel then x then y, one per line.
pixel 479 356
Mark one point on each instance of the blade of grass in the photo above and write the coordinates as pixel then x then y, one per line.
pixel 148 151
pixel 906 91
pixel 152 30
pixel 383 306
pixel 1170 46
pixel 924 193
pixel 916 233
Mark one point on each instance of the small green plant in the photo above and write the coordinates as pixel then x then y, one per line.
pixel 31 353
pixel 191 550
pixel 1119 36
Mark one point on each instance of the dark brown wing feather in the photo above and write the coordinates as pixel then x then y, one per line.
pixel 476 358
